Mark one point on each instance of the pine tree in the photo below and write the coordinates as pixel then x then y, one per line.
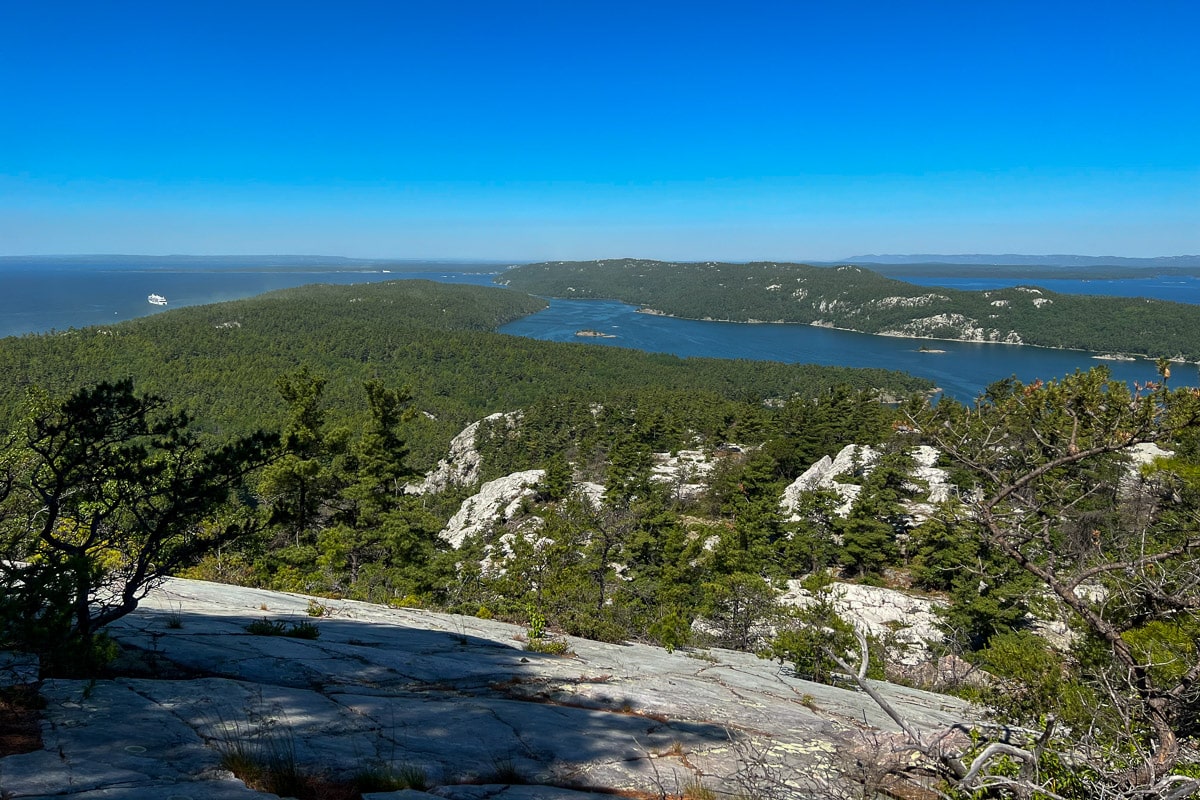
pixel 104 494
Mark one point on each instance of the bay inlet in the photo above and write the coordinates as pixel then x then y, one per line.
pixel 962 370
pixel 38 300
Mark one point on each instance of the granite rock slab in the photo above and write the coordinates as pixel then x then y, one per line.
pixel 456 699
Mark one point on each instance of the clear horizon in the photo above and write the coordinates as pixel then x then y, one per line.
pixel 481 259
pixel 542 131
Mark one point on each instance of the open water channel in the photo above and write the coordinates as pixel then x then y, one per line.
pixel 38 300
pixel 962 370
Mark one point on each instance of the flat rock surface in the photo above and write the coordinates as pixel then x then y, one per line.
pixel 454 699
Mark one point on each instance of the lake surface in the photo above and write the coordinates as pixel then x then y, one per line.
pixel 36 299
pixel 962 371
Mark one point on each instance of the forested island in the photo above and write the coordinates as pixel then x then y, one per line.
pixel 381 442
pixel 855 298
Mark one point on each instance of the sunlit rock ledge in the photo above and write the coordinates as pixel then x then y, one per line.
pixel 449 696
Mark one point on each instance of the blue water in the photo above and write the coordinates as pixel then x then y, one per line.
pixel 962 371
pixel 38 300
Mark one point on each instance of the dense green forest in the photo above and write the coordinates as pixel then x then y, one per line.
pixel 280 442
pixel 366 385
pixel 220 362
pixel 1031 273
pixel 855 298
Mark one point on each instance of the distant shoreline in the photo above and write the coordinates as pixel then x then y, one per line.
pixel 1098 356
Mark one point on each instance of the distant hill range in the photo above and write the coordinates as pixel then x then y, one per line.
pixel 1011 259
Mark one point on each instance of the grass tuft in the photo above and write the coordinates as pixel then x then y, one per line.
pixel 553 647
pixel 392 779
pixel 297 630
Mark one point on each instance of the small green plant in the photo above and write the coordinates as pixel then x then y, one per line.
pixel 316 609
pixel 537 640
pixel 808 637
pixel 506 772
pixel 392 779
pixel 676 750
pixel 264 760
pixel 78 658
pixel 266 627
pixel 303 630
pixel 175 618
pixel 552 647
pixel 298 630
pixel 484 613
pixel 537 623
pixel 698 791
pixel 672 630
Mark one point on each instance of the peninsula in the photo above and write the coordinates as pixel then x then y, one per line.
pixel 854 298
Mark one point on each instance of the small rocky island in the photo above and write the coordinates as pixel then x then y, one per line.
pixel 587 333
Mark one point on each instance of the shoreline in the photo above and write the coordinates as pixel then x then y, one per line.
pixel 1099 355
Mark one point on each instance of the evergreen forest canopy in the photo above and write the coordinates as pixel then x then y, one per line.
pixel 1026 272
pixel 858 299
pixel 278 442
pixel 360 388
pixel 220 362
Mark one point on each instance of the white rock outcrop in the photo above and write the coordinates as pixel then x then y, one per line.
pixel 592 493
pixel 824 474
pixel 460 467
pixel 908 302
pixel 952 326
pixel 495 501
pixel 910 623
pixel 1145 453
pixel 928 481
pixel 686 471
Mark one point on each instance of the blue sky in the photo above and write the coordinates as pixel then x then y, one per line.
pixel 511 130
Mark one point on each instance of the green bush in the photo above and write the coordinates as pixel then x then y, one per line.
pixel 297 630
pixel 552 647
pixel 1034 681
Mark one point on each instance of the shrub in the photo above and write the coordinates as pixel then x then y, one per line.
pixel 102 495
pixel 297 630
pixel 392 779
pixel 553 647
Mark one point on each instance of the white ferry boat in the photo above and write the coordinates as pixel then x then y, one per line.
pixel 157 300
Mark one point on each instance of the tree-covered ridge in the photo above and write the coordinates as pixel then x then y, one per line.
pixel 858 299
pixel 220 362
pixel 646 506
